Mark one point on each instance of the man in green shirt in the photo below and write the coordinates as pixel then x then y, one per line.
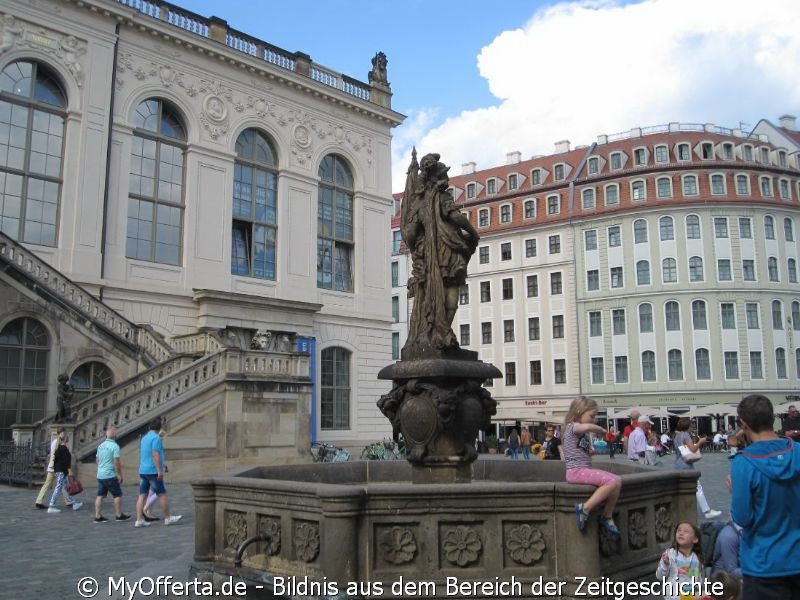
pixel 109 477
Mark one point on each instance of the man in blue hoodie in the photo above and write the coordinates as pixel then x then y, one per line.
pixel 765 496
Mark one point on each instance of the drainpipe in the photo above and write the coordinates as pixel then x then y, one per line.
pixel 106 192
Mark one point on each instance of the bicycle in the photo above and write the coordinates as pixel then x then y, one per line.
pixel 326 452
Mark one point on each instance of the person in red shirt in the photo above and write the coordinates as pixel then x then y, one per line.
pixel 626 433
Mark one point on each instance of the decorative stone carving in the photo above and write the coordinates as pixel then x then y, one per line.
pixel 272 341
pixel 461 545
pixel 525 544
pixel 664 525
pixel 235 529
pixel 398 545
pixel 637 529
pixel 272 526
pixel 306 541
pixel 610 545
pixel 11 32
pixel 378 74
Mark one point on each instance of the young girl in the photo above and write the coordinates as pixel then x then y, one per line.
pixel 579 424
pixel 683 561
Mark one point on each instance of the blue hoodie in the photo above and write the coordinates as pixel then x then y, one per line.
pixel 766 504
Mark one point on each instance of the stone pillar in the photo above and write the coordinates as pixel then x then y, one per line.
pixel 218 30
pixel 302 63
pixel 339 547
pixel 22 434
pixel 380 94
pixel 205 523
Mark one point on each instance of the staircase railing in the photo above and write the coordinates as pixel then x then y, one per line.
pixel 145 398
pixel 81 301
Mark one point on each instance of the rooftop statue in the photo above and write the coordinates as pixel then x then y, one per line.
pixel 441 241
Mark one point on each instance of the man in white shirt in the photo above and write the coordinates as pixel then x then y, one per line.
pixel 637 445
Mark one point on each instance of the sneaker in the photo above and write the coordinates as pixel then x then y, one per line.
pixel 123 517
pixel 77 505
pixel 141 524
pixel 53 509
pixel 40 506
pixel 713 514
pixel 100 519
pixel 150 519
pixel 172 520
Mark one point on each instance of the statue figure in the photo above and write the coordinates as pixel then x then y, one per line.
pixel 378 73
pixel 262 340
pixel 441 240
pixel 64 399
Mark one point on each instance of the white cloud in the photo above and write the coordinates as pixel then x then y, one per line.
pixel 579 69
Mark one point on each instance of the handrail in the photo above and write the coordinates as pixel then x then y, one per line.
pixel 80 300
pixel 241 42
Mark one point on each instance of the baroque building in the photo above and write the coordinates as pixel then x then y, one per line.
pixel 654 268
pixel 194 225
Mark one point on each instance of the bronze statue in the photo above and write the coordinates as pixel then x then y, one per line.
pixel 441 240
pixel 64 399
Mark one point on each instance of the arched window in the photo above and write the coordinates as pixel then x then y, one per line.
pixel 648 365
pixel 335 389
pixel 769 228
pixel 24 348
pixel 693 227
pixel 666 228
pixel 669 270
pixel 155 190
pixel 335 225
pixel 672 316
pixel 32 113
pixel 702 363
pixel 772 268
pixel 640 231
pixel 90 378
pixel 646 318
pixel 788 229
pixel 255 201
pixel 699 319
pixel 695 268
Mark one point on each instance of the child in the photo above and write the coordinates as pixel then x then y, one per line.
pixel 683 561
pixel 579 423
pixel 731 588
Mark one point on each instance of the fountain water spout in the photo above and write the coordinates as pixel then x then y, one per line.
pixel 260 537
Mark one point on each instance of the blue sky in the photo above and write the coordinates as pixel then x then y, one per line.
pixel 479 79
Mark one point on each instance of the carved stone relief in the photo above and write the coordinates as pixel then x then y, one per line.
pixel 525 544
pixel 461 545
pixel 67 49
pixel 235 528
pixel 637 529
pixel 306 540
pixel 398 545
pixel 272 526
pixel 664 523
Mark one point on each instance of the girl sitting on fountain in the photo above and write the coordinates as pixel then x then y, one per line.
pixel 578 449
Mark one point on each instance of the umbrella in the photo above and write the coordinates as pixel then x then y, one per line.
pixel 656 411
pixel 711 411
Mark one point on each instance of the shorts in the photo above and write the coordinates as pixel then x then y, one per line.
pixel 151 482
pixel 106 486
pixel 588 476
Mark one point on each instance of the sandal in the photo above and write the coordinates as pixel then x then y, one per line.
pixel 608 524
pixel 581 516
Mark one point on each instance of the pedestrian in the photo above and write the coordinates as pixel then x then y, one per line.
pixel 684 438
pixel 682 563
pixel 151 475
pixel 637 443
pixel 666 442
pixel 152 496
pixel 765 496
pixel 626 433
pixel 725 554
pixel 62 467
pixel 791 424
pixel 551 446
pixel 579 424
pixel 611 439
pixel 50 478
pixel 513 444
pixel 109 477
pixel 525 440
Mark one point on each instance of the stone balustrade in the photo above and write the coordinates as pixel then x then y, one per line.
pixel 197 344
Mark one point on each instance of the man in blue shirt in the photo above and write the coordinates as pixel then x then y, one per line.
pixel 765 495
pixel 109 477
pixel 151 475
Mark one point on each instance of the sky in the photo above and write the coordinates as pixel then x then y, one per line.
pixel 478 79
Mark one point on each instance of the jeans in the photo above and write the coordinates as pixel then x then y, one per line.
pixel 771 588
pixel 526 451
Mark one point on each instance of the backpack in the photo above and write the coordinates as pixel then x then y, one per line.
pixel 709 531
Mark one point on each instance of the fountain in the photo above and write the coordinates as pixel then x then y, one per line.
pixel 439 525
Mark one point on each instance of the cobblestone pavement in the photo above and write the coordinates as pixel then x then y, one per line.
pixel 46 555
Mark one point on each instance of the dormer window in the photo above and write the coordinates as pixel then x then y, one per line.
pixel 616 161
pixel 782 158
pixel 683 152
pixel 558 172
pixel 747 152
pixel 593 165
pixel 512 181
pixel 727 151
pixel 639 157
pixel 662 154
pixel 491 186
pixel 707 150
pixel 536 177
pixel 765 156
pixel 470 190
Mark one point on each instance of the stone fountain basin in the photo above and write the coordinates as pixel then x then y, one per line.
pixel 365 521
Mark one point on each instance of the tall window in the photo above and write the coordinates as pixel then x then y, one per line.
pixel 614 236
pixel 536 372
pixel 780 363
pixel 554 243
pixel 640 231
pixel 693 227
pixel 486 332
pixel 666 228
pixel 508 330
pixel 720 227
pixel 560 370
pixel 592 280
pixel 769 228
pixel 396 345
pixel 464 331
pixel 702 364
pixel 335 225
pixel 751 312
pixel 155 189
pixel 590 239
pixel 699 318
pixel 638 190
pixel 558 326
pixel 669 270
pixel 530 248
pixel 534 330
pixel 530 209
pixel 621 369
pixel 728 315
pixel 742 185
pixel 505 213
pixel 788 229
pixel 777 315
pixel 595 323
pixel 556 286
pixel 745 228
pixel 396 275
pixel 486 291
pixel 672 316
pixel 24 349
pixel 616 277
pixel 532 285
pixel 335 389
pixel 643 272
pixel 648 365
pixel 690 185
pixel 588 198
pixel 612 194
pixel 664 187
pixel 756 366
pixel 508 289
pixel 598 370
pixel 645 318
pixel 90 378
pixel 717 184
pixel 618 321
pixel 772 268
pixel 255 199
pixel 724 272
pixel 796 315
pixel 695 268
pixel 32 111
pixel 675 364
pixel 396 309
pixel 511 373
